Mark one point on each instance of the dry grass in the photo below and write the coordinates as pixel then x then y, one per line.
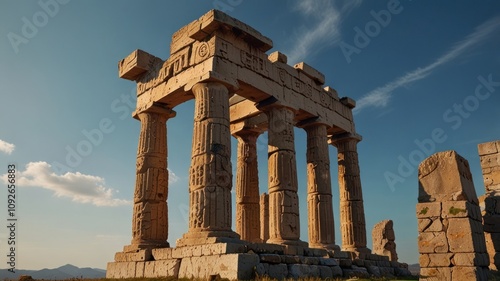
pixel 224 279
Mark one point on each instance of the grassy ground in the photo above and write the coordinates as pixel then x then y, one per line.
pixel 223 279
pixel 493 276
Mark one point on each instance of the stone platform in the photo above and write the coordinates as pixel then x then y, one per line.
pixel 249 260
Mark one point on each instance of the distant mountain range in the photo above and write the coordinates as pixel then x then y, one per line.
pixel 414 268
pixel 64 272
pixel 70 271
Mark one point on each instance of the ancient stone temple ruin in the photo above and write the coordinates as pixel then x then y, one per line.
pixel 241 91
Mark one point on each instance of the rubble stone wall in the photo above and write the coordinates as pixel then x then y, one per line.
pixel 489 154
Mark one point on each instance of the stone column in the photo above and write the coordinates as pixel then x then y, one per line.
pixel 150 213
pixel 210 175
pixel 352 214
pixel 319 189
pixel 284 225
pixel 247 186
pixel 264 217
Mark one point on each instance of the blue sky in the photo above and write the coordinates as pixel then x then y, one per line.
pixel 425 75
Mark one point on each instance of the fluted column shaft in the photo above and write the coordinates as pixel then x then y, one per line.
pixel 284 225
pixel 319 189
pixel 247 187
pixel 210 175
pixel 264 217
pixel 352 214
pixel 150 213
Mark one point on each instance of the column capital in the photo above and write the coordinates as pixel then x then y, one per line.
pixel 213 79
pixel 254 126
pixel 208 84
pixel 335 139
pixel 155 107
pixel 245 132
pixel 271 103
pixel 314 121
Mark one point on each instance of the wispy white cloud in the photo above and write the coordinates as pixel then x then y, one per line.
pixel 172 177
pixel 78 187
pixel 380 96
pixel 6 147
pixel 327 17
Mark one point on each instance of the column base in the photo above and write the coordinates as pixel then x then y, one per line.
pixel 360 252
pixel 332 247
pixel 132 248
pixel 298 243
pixel 208 237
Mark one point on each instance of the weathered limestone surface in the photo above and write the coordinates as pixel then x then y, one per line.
pixel 446 177
pixel 451 239
pixel 489 154
pixel 352 214
pixel 383 240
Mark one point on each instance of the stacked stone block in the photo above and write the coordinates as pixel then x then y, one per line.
pixel 489 154
pixel 451 239
pixel 250 260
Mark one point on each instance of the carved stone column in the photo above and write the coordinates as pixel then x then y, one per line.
pixel 352 214
pixel 284 225
pixel 247 186
pixel 150 213
pixel 319 189
pixel 210 175
pixel 264 217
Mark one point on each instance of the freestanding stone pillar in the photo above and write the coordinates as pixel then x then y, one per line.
pixel 150 213
pixel 319 189
pixel 383 238
pixel 489 154
pixel 284 225
pixel 450 239
pixel 247 186
pixel 210 175
pixel 352 214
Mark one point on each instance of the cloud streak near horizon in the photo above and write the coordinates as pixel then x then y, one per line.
pixel 380 96
pixel 81 188
pixel 327 17
pixel 78 187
